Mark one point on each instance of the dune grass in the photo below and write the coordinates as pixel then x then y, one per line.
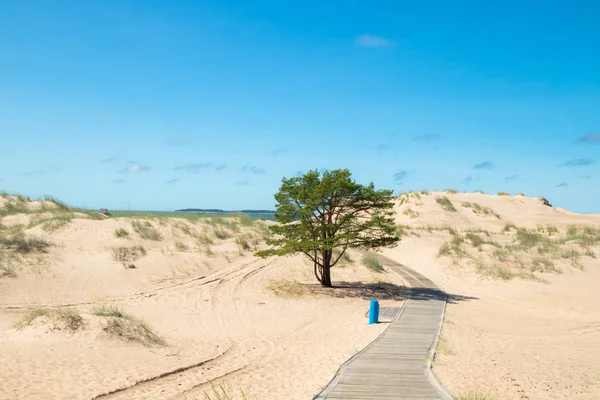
pixel 503 194
pixel 128 254
pixel 478 209
pixel 451 191
pixel 345 258
pixel 146 230
pixel 410 213
pixel 223 391
pixel 121 233
pixel 22 244
pixel 69 318
pixel 128 327
pixel 180 246
pixel 445 203
pixel 372 263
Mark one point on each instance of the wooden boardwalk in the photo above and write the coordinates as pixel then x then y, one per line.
pixel 397 365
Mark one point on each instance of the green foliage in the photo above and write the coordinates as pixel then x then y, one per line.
pixel 20 243
pixel 318 213
pixel 445 203
pixel 478 209
pixel 70 318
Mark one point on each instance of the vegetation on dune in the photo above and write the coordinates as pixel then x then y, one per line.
pixel 66 318
pixel 478 209
pixel 445 203
pixel 372 263
pixel 146 230
pixel 22 244
pixel 531 251
pixel 121 233
pixel 128 327
pixel 475 396
pixel 410 213
pixel 503 194
pixel 223 391
pixel 127 254
pixel 318 213
pixel 451 191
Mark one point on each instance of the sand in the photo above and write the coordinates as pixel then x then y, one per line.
pixel 264 327
pixel 221 322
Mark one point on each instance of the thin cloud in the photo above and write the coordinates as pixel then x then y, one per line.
pixel 426 137
pixel 193 168
pixel 134 168
pixel 578 162
pixel 513 177
pixel 171 181
pixel 276 152
pixel 35 172
pixel 563 184
pixel 242 183
pixel 590 138
pixel 119 181
pixel 586 176
pixel 110 160
pixel 372 41
pixel 253 169
pixel 471 178
pixel 220 167
pixel 484 165
pixel 401 176
pixel 382 148
pixel 178 141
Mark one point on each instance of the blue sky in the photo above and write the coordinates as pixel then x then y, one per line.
pixel 172 104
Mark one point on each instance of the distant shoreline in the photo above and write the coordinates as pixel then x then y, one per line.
pixel 216 210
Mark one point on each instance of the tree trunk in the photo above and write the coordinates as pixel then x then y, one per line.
pixel 326 278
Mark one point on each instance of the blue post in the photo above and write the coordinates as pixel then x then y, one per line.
pixel 374 312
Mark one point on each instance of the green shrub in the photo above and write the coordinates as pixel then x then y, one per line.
pixel 372 263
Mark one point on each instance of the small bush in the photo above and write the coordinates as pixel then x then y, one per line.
pixel 121 233
pixel 502 194
pixel 451 191
pixel 128 254
pixel 445 203
pixel 372 263
pixel 425 192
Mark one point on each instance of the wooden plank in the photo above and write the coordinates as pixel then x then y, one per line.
pixel 394 366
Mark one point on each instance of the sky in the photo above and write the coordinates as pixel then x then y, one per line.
pixel 161 105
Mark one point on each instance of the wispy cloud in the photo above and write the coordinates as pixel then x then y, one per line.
pixel 563 184
pixel 110 160
pixel 578 162
pixel 193 167
pixel 513 177
pixel 484 165
pixel 178 140
pixel 276 152
pixel 242 183
pixel 426 137
pixel 35 172
pixel 590 138
pixel 220 167
pixel 471 178
pixel 119 181
pixel 372 41
pixel 134 168
pixel 253 169
pixel 401 176
pixel 171 181
pixel 586 176
pixel 382 148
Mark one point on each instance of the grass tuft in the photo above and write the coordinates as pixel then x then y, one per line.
pixel 372 263
pixel 445 203
pixel 69 318
pixel 128 254
pixel 146 230
pixel 128 327
pixel 121 233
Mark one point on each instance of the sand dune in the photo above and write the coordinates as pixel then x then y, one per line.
pixel 523 319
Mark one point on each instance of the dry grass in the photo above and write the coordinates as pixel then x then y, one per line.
pixel 146 230
pixel 22 244
pixel 451 191
pixel 443 347
pixel 128 327
pixel 410 213
pixel 503 194
pixel 128 254
pixel 180 246
pixel 478 209
pixel 121 233
pixel 445 203
pixel 530 252
pixel 287 289
pixel 69 319
pixel 475 396
pixel 372 263
pixel 223 391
